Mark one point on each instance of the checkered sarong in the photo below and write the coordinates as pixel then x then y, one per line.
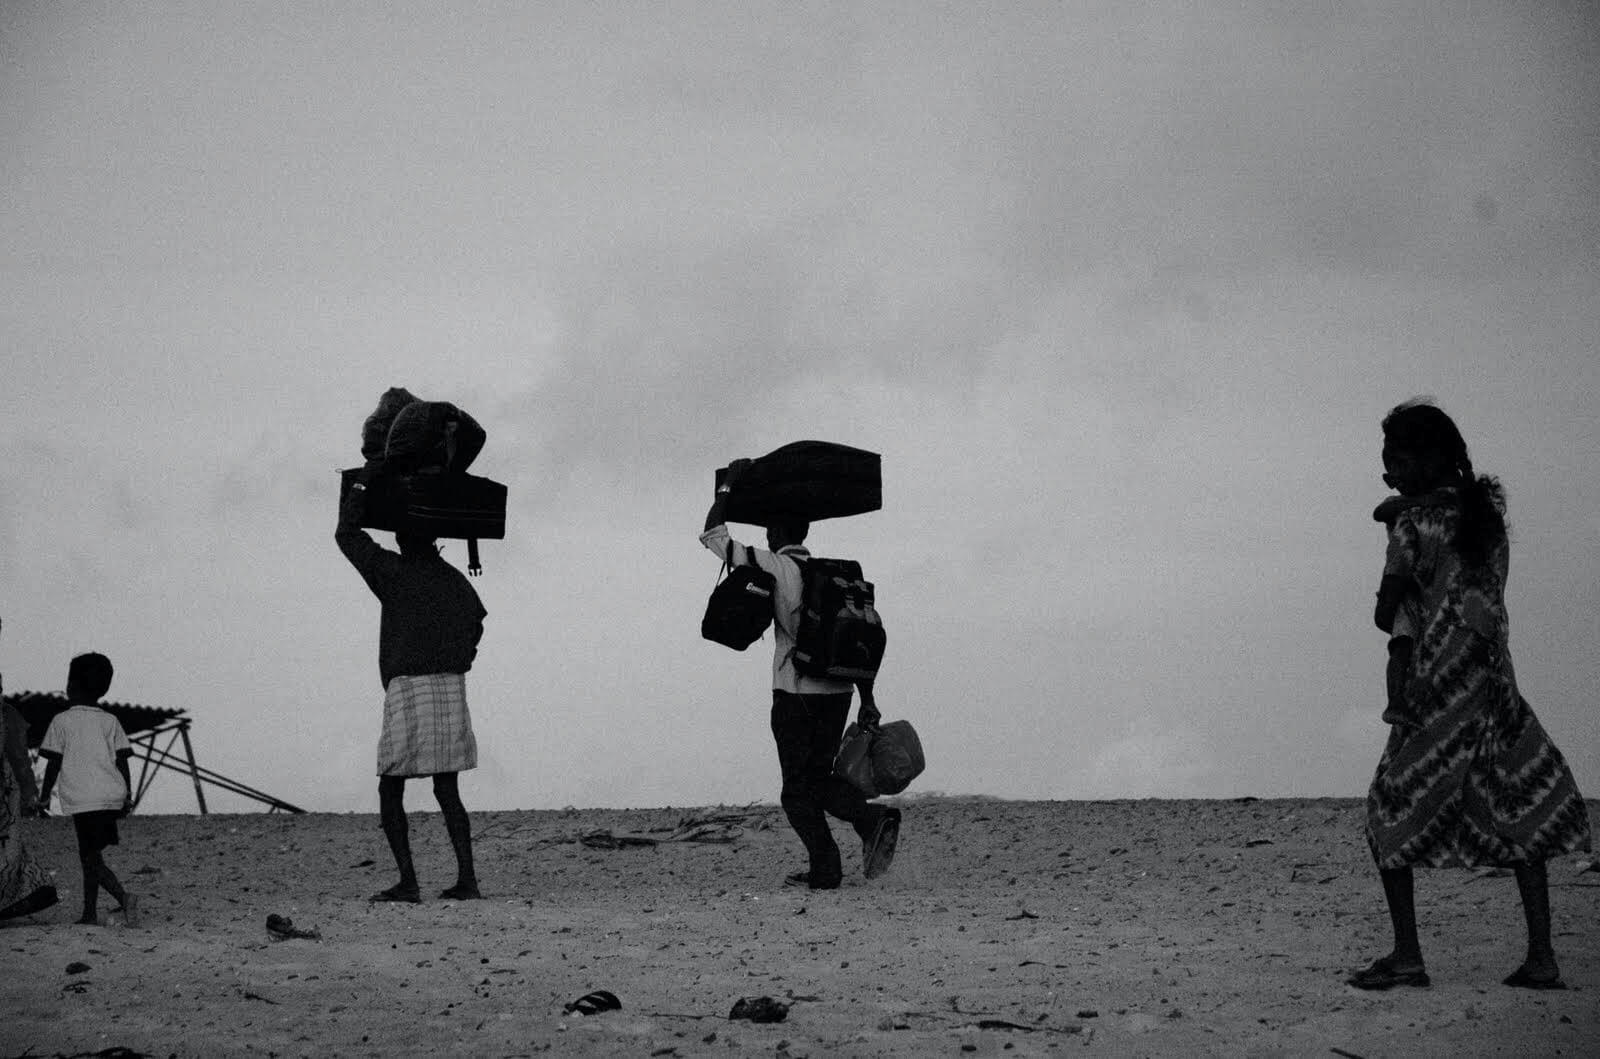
pixel 426 727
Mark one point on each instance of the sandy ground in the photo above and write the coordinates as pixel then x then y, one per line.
pixel 1004 928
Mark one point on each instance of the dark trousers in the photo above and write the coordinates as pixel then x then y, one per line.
pixel 807 729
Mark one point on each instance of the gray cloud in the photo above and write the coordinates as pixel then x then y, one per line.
pixel 1122 291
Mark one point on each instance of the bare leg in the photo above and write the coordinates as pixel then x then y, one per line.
pixel 448 793
pixel 1398 890
pixel 1539 970
pixel 1403 966
pixel 392 814
pixel 110 883
pixel 90 863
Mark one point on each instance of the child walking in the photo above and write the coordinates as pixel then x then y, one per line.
pixel 88 752
pixel 1468 777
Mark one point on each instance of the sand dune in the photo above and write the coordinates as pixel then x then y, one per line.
pixel 1015 928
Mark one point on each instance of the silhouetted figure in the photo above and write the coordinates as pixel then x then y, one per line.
pixel 1468 777
pixel 88 752
pixel 428 636
pixel 25 887
pixel 808 713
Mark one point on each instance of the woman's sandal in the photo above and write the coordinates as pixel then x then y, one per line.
pixel 1522 978
pixel 1384 975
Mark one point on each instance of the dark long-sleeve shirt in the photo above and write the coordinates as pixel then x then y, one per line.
pixel 432 618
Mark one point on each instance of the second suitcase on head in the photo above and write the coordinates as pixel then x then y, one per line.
pixel 456 506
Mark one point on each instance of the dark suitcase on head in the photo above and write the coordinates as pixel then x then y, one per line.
pixel 456 506
pixel 812 480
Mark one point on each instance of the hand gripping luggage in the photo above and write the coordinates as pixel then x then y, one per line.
pixel 883 759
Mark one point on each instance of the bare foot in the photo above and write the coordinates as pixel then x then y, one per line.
pixel 88 921
pixel 461 891
pixel 130 911
pixel 400 893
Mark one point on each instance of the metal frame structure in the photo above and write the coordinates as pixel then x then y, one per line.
pixel 153 759
pixel 145 726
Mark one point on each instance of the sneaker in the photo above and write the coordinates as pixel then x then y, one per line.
pixel 877 852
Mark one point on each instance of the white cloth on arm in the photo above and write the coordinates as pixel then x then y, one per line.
pixel 785 567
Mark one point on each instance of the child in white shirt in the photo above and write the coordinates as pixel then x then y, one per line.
pixel 87 750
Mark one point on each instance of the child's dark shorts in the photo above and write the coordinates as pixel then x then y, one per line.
pixel 96 830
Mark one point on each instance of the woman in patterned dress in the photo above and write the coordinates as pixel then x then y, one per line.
pixel 25 887
pixel 1468 777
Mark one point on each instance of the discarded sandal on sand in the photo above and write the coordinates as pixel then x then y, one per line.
pixel 594 1003
pixel 1384 975
pixel 397 894
pixel 282 928
pixel 759 1009
pixel 1522 978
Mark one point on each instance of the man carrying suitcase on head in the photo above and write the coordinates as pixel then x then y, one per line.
pixel 427 639
pixel 808 713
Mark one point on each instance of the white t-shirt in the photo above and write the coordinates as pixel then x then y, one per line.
pixel 87 740
pixel 785 567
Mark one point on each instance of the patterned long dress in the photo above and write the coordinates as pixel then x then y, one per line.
pixel 25 887
pixel 1475 781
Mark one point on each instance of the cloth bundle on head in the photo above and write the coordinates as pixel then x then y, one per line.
pixel 375 431
pixel 433 436
pixel 421 451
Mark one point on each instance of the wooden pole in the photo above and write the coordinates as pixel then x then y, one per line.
pixel 194 770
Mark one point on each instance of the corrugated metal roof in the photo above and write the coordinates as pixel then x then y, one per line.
pixel 39 707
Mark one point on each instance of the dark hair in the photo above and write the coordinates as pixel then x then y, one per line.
pixel 91 673
pixel 793 527
pixel 1421 425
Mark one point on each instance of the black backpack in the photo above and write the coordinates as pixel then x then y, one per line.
pixel 839 634
pixel 740 607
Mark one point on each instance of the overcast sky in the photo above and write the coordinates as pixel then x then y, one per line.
pixel 1120 292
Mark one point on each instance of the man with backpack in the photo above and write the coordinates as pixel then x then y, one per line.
pixel 808 712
